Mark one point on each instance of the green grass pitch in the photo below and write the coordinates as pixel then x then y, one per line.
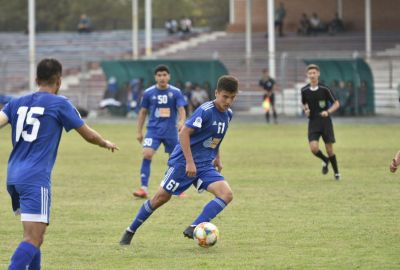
pixel 285 214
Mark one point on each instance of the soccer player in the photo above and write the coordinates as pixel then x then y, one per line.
pixel 37 121
pixel 318 104
pixel 268 85
pixel 162 102
pixel 196 160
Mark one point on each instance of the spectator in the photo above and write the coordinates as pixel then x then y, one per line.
pixel 168 27
pixel 343 95
pixel 199 96
pixel 336 25
pixel 112 88
pixel 304 25
pixel 136 91
pixel 280 14
pixel 187 94
pixel 315 24
pixel 362 97
pixel 84 25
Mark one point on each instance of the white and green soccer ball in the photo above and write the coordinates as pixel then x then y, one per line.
pixel 206 234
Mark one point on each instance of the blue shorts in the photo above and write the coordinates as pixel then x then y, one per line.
pixel 32 202
pixel 154 143
pixel 176 181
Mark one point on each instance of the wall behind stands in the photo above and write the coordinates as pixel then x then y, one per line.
pixel 385 14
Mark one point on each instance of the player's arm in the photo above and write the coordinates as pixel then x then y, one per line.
pixel 334 107
pixel 3 119
pixel 306 109
pixel 395 162
pixel 182 118
pixel 217 162
pixel 184 139
pixel 331 110
pixel 92 136
pixel 141 119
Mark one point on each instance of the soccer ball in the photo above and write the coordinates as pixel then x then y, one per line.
pixel 206 234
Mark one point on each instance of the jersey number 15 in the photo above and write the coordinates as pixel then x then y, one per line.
pixel 26 117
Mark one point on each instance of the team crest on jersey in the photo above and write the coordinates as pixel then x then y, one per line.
pixel 170 94
pixel 322 103
pixel 197 122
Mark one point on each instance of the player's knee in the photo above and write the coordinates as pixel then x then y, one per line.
pixel 227 196
pixel 147 155
pixel 314 149
pixel 159 200
pixel 36 240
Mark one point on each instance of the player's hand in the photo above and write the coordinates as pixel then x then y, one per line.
pixel 110 146
pixel 217 164
pixel 324 114
pixel 307 112
pixel 393 166
pixel 191 169
pixel 139 137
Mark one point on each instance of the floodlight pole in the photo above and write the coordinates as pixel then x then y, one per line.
pixel 271 39
pixel 31 29
pixel 248 28
pixel 135 43
pixel 368 46
pixel 148 19
pixel 231 11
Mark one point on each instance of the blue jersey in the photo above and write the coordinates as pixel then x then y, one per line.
pixel 210 126
pixel 37 121
pixel 162 106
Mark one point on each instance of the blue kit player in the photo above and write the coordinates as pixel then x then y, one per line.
pixel 196 161
pixel 37 121
pixel 162 102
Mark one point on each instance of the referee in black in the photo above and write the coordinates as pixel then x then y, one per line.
pixel 318 103
pixel 268 85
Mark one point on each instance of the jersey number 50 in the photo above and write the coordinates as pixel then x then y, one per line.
pixel 26 117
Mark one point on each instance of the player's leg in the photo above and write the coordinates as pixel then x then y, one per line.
pixel 315 130
pixel 169 145
pixel 274 114
pixel 150 146
pixel 212 181
pixel 174 182
pixel 329 139
pixel 35 206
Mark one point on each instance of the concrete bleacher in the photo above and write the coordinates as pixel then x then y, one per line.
pixel 83 80
pixel 290 74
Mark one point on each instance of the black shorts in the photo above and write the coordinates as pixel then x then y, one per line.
pixel 321 126
pixel 271 99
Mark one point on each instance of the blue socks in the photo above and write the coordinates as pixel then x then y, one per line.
pixel 35 263
pixel 145 172
pixel 144 212
pixel 23 256
pixel 210 211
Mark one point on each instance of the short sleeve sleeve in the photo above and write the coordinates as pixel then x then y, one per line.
pixel 303 98
pixel 197 119
pixel 181 101
pixel 331 97
pixel 69 116
pixel 145 103
pixel 7 111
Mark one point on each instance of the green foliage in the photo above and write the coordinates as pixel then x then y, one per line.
pixel 285 214
pixel 108 14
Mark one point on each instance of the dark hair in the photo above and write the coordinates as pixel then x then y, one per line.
pixel 161 68
pixel 228 83
pixel 312 66
pixel 48 71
